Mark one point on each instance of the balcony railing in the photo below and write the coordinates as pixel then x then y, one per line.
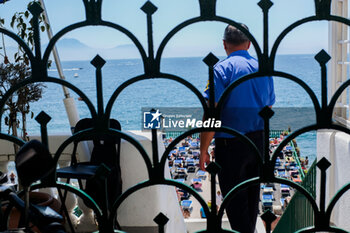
pixel 298 213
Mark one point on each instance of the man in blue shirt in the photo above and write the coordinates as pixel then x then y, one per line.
pixel 240 112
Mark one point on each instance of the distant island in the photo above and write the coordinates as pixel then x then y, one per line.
pixel 71 49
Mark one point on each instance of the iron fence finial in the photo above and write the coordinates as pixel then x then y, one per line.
pixel 207 8
pixel 93 10
pixel 268 217
pixel 323 8
pixel 43 118
pixel 149 8
pixel 265 4
pixel 211 60
pixel 161 220
pixel 322 58
pixel 266 113
pixel 98 62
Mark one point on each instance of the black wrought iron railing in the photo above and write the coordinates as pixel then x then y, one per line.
pixel 298 213
pixel 151 64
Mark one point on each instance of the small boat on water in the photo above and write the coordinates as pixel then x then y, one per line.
pixel 76 75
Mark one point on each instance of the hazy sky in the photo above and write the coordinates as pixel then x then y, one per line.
pixel 198 39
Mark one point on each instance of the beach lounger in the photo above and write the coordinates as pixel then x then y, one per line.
pixel 180 173
pixel 197 183
pixel 267 204
pixel 180 180
pixel 282 174
pixel 191 169
pixel 195 154
pixel 267 197
pixel 190 162
pixel 196 162
pixel 270 185
pixel 178 162
pixel 181 169
pixel 184 195
pixel 293 164
pixel 294 173
pixel 201 174
pixel 194 145
pixel 285 192
pixel 268 189
pixel 186 204
pixel 288 153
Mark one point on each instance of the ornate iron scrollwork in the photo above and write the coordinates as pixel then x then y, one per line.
pixel 151 62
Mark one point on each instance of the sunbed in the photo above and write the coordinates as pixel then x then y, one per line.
pixel 201 174
pixel 186 204
pixel 197 183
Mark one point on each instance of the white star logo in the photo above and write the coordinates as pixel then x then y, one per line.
pixel 156 115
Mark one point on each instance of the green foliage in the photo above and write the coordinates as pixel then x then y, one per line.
pixel 23 24
pixel 12 73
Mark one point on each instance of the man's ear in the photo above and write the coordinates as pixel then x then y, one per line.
pixel 249 43
pixel 224 43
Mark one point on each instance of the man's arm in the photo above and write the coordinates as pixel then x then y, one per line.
pixel 205 140
pixel 207 137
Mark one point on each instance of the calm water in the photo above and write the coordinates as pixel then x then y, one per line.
pixel 165 93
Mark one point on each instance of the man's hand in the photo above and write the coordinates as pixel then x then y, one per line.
pixel 204 158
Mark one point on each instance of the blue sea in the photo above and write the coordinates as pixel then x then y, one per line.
pixel 165 93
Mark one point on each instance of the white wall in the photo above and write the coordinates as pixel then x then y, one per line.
pixel 143 206
pixel 335 146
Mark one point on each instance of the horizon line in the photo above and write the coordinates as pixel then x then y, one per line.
pixel 167 57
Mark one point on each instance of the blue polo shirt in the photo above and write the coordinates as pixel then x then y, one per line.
pixel 242 107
